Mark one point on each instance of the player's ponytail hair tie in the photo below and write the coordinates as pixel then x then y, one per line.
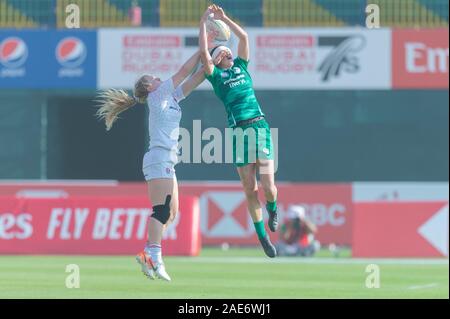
pixel 113 102
pixel 140 100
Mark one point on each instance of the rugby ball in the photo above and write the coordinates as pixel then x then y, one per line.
pixel 220 28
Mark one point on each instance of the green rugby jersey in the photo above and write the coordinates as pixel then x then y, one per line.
pixel 234 87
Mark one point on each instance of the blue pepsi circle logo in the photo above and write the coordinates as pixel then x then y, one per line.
pixel 13 52
pixel 71 52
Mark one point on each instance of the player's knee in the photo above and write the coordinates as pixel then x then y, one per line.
pixel 162 213
pixel 251 191
pixel 269 188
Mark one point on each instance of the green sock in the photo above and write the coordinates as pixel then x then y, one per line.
pixel 271 206
pixel 260 230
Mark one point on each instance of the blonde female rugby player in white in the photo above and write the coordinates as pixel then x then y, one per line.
pixel 162 98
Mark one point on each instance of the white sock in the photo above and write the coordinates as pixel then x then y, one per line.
pixel 154 250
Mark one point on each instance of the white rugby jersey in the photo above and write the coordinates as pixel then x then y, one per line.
pixel 164 122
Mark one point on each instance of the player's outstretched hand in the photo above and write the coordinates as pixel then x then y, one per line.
pixel 218 12
pixel 206 14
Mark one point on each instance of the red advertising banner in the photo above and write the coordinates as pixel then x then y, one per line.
pixel 224 215
pixel 91 225
pixel 400 229
pixel 420 58
pixel 223 210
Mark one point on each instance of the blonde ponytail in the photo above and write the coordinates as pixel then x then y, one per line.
pixel 112 103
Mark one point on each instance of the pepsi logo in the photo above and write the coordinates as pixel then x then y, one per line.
pixel 71 52
pixel 13 52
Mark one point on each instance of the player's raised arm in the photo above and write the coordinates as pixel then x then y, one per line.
pixel 203 44
pixel 243 47
pixel 186 69
pixel 193 82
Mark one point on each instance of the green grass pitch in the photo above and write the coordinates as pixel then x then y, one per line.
pixel 235 273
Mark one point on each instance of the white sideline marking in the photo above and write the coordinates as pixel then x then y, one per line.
pixel 432 285
pixel 284 260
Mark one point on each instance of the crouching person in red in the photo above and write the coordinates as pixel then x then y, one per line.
pixel 297 235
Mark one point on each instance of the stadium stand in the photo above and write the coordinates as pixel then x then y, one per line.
pixel 16 15
pixel 413 13
pixel 94 14
pixel 185 13
pixel 180 13
pixel 298 13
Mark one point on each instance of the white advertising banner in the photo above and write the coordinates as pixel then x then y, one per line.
pixel 281 59
pixel 126 54
pixel 344 58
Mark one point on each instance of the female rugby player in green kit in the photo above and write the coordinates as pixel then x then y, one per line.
pixel 233 86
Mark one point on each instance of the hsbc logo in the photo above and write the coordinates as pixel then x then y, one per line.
pixel 225 215
pixel 321 214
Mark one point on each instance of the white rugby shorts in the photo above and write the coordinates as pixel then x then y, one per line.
pixel 157 169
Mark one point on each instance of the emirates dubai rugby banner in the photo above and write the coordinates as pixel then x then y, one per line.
pixel 126 54
pixel 345 58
